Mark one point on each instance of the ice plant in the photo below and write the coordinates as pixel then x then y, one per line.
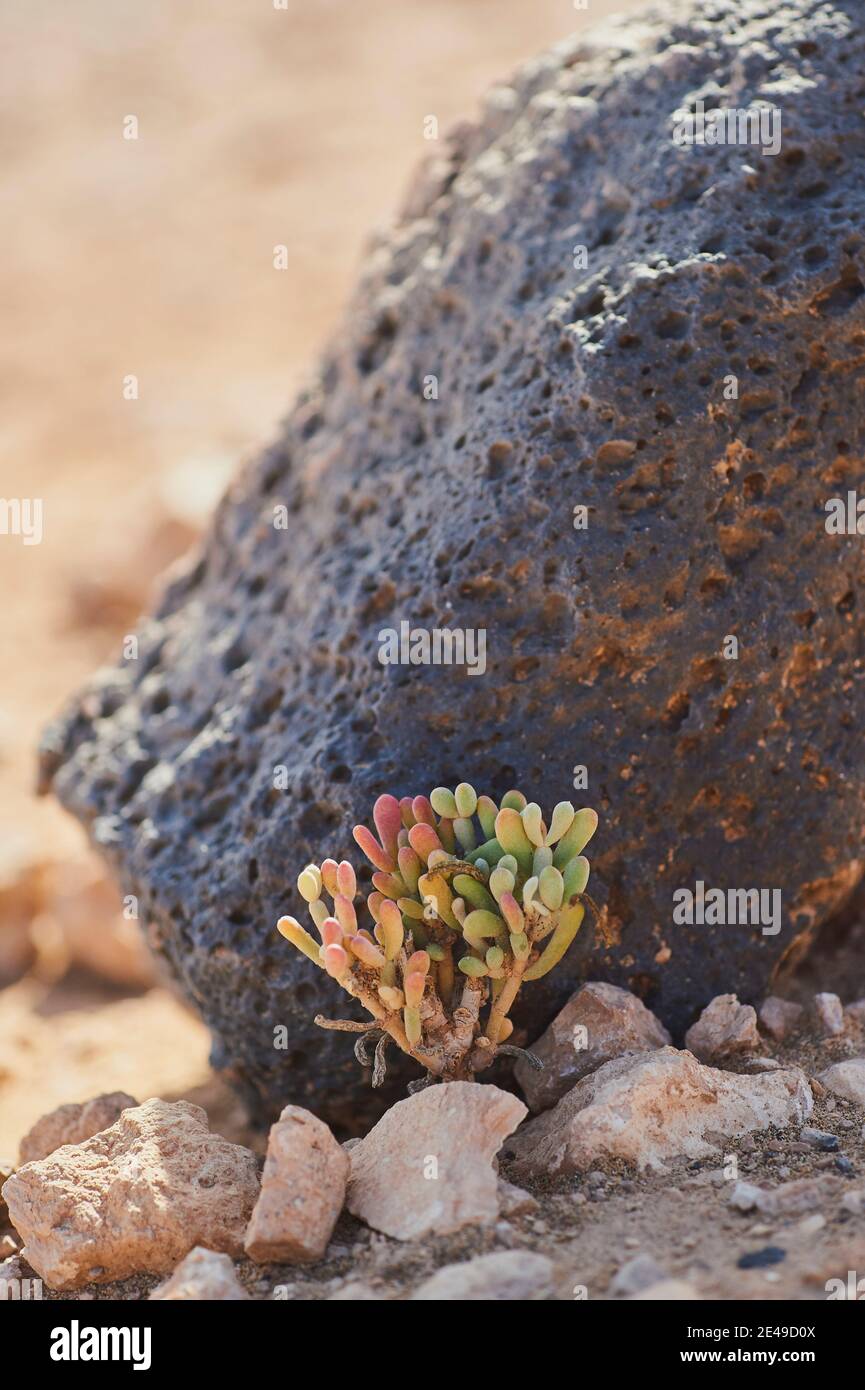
pixel 469 902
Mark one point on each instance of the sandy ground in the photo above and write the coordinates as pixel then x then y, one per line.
pixel 153 258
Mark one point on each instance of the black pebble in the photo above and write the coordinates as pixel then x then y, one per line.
pixel 759 1259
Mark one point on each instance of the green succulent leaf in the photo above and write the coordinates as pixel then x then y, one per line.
pixel 511 835
pixel 578 835
pixel 570 922
pixel 475 893
pixel 471 966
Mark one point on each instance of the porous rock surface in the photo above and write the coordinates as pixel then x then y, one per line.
pixel 647 1109
pixel 302 1190
pixel 134 1198
pixel 72 1124
pixel 557 386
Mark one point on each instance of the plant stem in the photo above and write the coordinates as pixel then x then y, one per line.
pixel 504 999
pixel 390 1023
pixel 446 977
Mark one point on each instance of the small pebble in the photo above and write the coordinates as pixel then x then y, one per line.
pixel 830 1014
pixel 759 1259
pixel 843 1164
pixel 810 1225
pixel 819 1139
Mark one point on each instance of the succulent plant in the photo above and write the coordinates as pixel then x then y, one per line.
pixel 469 901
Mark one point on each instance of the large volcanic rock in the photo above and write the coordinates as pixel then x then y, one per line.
pixel 558 387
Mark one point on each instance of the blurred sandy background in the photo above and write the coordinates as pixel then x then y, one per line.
pixel 153 257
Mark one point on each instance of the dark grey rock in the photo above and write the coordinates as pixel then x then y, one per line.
pixel 558 387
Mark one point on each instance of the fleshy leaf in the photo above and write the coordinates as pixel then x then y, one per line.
pixel 436 893
pixel 366 951
pixel 479 926
pixel 411 1023
pixel 563 814
pixel 471 966
pixel 423 840
pixel 309 883
pixel 576 876
pixel 344 911
pixel 335 960
pixel 551 887
pixel 464 830
pixel 570 921
pixel 581 830
pixel 389 885
pixel 487 810
pixel 512 912
pixel 443 803
pixel 474 892
pixel 388 822
pixel 491 852
pixel 410 867
pixel 328 876
pixel 290 928
pixel 392 931
pixel 533 823
pixel 511 835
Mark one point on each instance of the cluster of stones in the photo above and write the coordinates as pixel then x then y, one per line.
pixel 111 1188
